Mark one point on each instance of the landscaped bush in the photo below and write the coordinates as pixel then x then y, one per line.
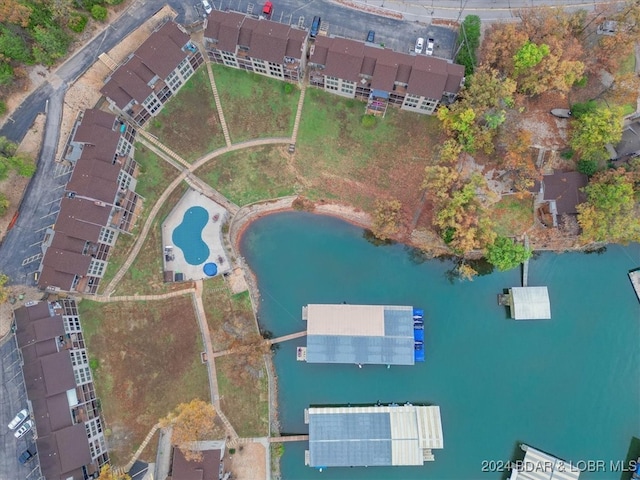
pixel 288 88
pixel 99 13
pixel 567 154
pixel 77 22
pixel 587 166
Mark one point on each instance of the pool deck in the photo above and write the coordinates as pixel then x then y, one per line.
pixel 211 234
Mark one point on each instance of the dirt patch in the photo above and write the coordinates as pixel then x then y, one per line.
pixel 146 360
pixel 248 462
pixel 237 282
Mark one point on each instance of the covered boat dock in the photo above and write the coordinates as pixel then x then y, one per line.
pixel 363 334
pixel 381 435
pixel 538 465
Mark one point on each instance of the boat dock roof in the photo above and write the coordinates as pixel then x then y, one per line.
pixel 530 303
pixel 382 435
pixel 361 334
pixel 634 276
pixel 538 465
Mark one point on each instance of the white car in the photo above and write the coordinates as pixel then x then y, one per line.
pixel 18 419
pixel 207 6
pixel 430 43
pixel 419 45
pixel 24 428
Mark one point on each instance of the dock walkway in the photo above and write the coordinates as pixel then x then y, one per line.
pixel 289 438
pixel 525 269
pixel 285 338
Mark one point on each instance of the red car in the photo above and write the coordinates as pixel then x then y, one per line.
pixel 267 9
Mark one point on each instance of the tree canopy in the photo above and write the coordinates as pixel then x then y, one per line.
pixel 468 43
pixel 594 129
pixel 385 219
pixel 459 216
pixel 192 422
pixel 610 213
pixel 106 473
pixel 506 254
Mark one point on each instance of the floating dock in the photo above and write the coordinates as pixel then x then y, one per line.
pixel 368 436
pixel 363 334
pixel 634 276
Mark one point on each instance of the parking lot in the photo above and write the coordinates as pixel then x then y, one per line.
pixel 399 35
pixel 12 400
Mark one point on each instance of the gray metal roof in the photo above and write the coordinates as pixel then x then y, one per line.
pixel 373 436
pixel 538 465
pixel 364 334
pixel 530 303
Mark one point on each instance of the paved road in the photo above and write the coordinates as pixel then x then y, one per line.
pixel 13 398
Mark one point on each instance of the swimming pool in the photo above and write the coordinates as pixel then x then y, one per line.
pixel 188 235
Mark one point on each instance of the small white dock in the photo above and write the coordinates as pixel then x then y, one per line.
pixel 634 276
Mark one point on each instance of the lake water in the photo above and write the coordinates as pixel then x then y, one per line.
pixel 569 385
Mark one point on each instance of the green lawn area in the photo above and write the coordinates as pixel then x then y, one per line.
pixel 145 359
pixel 513 215
pixel 154 177
pixel 354 163
pixel 255 106
pixel 145 276
pixel 250 175
pixel 188 123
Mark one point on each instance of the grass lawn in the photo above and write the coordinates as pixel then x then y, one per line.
pixel 250 175
pixel 345 160
pixel 255 106
pixel 243 384
pixel 146 360
pixel 188 124
pixel 154 177
pixel 145 275
pixel 513 215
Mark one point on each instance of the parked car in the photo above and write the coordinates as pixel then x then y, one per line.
pixel 430 43
pixel 315 27
pixel 371 36
pixel 267 10
pixel 18 419
pixel 207 6
pixel 26 456
pixel 24 428
pixel 419 45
